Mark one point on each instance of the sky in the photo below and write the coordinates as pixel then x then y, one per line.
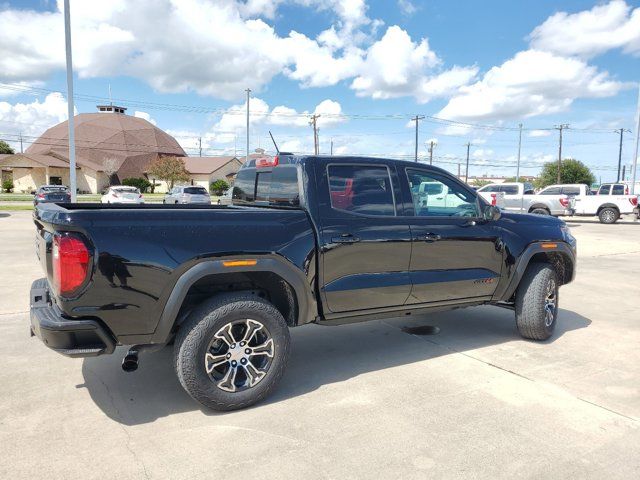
pixel 474 70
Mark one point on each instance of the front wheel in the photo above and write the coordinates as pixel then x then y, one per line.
pixel 608 215
pixel 231 351
pixel 537 302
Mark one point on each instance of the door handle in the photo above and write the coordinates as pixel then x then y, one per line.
pixel 345 238
pixel 431 237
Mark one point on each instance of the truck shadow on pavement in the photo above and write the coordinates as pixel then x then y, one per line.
pixel 320 355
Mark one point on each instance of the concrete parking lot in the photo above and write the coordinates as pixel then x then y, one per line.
pixel 359 401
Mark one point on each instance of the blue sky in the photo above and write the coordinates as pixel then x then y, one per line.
pixel 366 67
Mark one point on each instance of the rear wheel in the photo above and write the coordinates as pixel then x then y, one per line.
pixel 537 302
pixel 231 352
pixel 608 215
pixel 540 211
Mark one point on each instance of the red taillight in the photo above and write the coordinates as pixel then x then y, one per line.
pixel 70 261
pixel 41 195
pixel 494 199
pixel 267 162
pixel 634 201
pixel 564 202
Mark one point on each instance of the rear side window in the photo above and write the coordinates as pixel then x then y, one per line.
pixel 278 186
pixel 195 191
pixel 509 189
pixel 362 189
pixel 571 190
pixel 551 191
pixel 618 190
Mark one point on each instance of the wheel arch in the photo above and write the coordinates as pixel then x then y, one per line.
pixel 539 205
pixel 608 205
pixel 561 257
pixel 286 286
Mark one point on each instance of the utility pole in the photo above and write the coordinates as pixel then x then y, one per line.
pixel 200 145
pixel 624 168
pixel 21 150
pixel 621 131
pixel 635 150
pixel 314 123
pixel 560 127
pixel 458 169
pixel 519 149
pixel 416 119
pixel 248 90
pixel 466 172
pixel 72 140
pixel 431 144
pixel 331 147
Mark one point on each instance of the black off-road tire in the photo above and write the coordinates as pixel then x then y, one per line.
pixel 195 334
pixel 608 215
pixel 540 211
pixel 531 311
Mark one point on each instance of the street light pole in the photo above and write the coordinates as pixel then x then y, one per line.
pixel 70 109
pixel 519 148
pixel 248 90
pixel 635 150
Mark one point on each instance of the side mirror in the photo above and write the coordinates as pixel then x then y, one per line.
pixel 492 212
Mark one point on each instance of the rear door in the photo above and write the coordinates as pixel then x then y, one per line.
pixel 365 244
pixel 456 255
pixel 513 200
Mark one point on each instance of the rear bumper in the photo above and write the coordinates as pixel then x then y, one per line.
pixel 73 338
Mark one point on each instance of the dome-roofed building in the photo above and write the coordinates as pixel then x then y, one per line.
pixel 106 141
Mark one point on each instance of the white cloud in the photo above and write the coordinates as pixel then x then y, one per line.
pixel 145 116
pixel 31 119
pixel 407 7
pixel 590 32
pixel 539 133
pixel 397 66
pixel 531 83
pixel 220 48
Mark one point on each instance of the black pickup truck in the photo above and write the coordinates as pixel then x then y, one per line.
pixel 323 240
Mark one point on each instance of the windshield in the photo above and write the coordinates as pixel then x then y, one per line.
pixel 126 190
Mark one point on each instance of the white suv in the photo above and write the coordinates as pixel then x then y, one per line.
pixel 187 194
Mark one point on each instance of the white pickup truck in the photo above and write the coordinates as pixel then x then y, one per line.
pixel 608 207
pixel 521 198
pixel 437 194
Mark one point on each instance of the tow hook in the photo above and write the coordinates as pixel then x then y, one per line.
pixel 130 360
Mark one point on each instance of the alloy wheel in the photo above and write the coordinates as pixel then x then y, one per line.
pixel 239 355
pixel 550 304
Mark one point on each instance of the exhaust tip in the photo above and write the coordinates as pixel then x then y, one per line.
pixel 130 362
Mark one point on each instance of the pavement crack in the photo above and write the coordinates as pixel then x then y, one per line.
pixel 633 419
pixel 124 429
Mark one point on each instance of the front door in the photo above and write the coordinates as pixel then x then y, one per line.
pixel 456 254
pixel 365 244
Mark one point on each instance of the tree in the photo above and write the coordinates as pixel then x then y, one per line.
pixel 168 169
pixel 480 183
pixel 219 187
pixel 571 171
pixel 110 167
pixel 140 183
pixel 7 185
pixel 6 148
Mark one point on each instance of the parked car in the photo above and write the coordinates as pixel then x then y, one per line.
pixel 521 198
pixel 122 194
pixel 226 199
pixel 52 193
pixel 187 194
pixel 226 284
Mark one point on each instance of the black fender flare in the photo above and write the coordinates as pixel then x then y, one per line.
pixel 523 262
pixel 307 307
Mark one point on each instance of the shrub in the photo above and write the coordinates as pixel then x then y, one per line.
pixel 141 183
pixel 7 185
pixel 218 187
